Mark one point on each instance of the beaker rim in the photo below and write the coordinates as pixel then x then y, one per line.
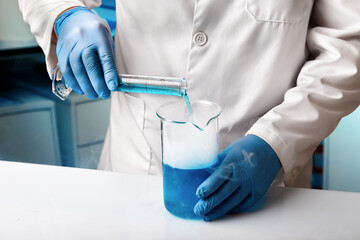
pixel 217 113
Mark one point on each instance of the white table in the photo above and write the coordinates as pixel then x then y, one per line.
pixel 48 202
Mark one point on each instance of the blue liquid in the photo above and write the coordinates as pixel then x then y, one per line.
pixel 151 90
pixel 180 187
pixel 188 104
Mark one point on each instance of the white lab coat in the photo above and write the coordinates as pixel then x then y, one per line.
pixel 284 70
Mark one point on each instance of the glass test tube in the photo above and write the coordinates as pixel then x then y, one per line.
pixel 130 83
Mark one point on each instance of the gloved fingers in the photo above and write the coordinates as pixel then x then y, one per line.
pixel 106 55
pixel 94 71
pixel 224 153
pixel 205 205
pixel 77 67
pixel 68 76
pixel 247 203
pixel 65 69
pixel 216 179
pixel 229 203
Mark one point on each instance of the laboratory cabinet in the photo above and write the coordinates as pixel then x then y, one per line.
pixel 28 130
pixel 70 133
pixel 82 124
pixel 342 155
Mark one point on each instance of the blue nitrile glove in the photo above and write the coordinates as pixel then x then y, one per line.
pixel 246 171
pixel 85 53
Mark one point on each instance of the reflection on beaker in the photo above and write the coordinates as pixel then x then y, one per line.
pixel 189 152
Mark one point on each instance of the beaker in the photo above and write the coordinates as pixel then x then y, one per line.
pixel 190 151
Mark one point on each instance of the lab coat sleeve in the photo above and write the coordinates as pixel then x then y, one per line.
pixel 41 16
pixel 327 89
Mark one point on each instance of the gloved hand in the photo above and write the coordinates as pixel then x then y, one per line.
pixel 246 171
pixel 85 53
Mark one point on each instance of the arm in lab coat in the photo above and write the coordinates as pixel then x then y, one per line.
pixel 41 15
pixel 328 88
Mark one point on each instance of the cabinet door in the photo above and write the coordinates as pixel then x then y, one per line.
pixel 29 136
pixel 92 121
pixel 342 155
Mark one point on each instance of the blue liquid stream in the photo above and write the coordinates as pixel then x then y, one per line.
pixel 180 187
pixel 188 104
pixel 160 91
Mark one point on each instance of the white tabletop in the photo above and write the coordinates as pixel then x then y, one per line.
pixel 48 202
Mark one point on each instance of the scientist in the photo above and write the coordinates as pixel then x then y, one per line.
pixel 284 72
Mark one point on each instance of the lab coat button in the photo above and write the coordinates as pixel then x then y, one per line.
pixel 200 39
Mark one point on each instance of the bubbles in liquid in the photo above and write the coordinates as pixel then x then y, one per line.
pixel 192 148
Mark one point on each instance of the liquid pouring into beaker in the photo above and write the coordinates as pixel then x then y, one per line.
pixel 189 136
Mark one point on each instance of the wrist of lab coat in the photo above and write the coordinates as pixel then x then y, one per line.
pixel 54 36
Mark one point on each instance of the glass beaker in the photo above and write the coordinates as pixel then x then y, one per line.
pixel 190 151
